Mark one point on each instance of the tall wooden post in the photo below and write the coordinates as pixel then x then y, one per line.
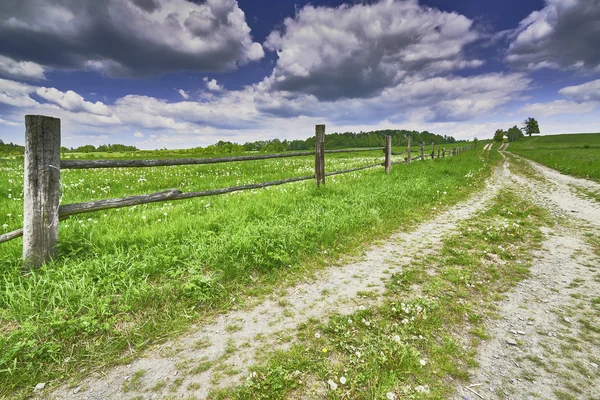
pixel 41 189
pixel 432 150
pixel 388 154
pixel 422 151
pixel 438 152
pixel 408 154
pixel 320 154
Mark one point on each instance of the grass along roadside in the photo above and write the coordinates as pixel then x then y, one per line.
pixel 573 154
pixel 127 279
pixel 425 334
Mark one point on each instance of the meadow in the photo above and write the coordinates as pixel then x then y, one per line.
pixel 130 277
pixel 573 154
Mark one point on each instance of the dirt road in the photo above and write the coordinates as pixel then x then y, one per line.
pixel 543 315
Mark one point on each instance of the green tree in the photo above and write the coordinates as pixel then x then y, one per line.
pixel 499 135
pixel 514 134
pixel 531 126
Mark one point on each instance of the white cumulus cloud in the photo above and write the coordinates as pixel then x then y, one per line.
pixel 20 69
pixel 213 85
pixel 72 101
pixel 355 51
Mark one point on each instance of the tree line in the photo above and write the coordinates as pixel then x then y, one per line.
pixel 11 149
pixel 335 141
pixel 332 141
pixel 105 148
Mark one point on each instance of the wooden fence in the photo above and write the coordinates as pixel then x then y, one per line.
pixel 43 211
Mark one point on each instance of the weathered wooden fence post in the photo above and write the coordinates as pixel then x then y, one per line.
pixel 422 151
pixel 438 152
pixel 408 154
pixel 388 154
pixel 443 153
pixel 41 189
pixel 432 150
pixel 320 154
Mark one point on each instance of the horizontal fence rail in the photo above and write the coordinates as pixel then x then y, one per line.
pixel 93 164
pixel 42 210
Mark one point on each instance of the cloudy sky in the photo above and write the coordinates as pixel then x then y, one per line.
pixel 182 73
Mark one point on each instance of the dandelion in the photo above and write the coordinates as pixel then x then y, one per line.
pixel 422 389
pixel 324 350
pixel 343 380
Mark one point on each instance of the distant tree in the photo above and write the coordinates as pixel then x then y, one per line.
pixel 514 134
pixel 475 142
pixel 531 126
pixel 499 135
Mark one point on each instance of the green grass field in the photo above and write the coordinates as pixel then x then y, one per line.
pixel 130 277
pixel 573 154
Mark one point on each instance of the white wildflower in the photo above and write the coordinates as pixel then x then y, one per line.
pixel 343 380
pixel 396 339
pixel 422 389
pixel 423 363
pixel 390 396
pixel 317 335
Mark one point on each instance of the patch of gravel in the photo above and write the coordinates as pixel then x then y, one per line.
pixel 560 195
pixel 547 342
pixel 231 343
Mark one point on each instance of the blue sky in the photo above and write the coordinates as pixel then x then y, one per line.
pixel 179 73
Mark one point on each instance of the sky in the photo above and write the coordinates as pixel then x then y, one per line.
pixel 182 73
